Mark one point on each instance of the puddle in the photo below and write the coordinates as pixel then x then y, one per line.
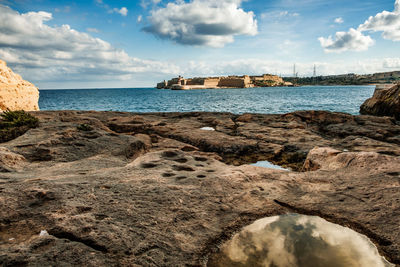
pixel 207 129
pixel 297 241
pixel 267 164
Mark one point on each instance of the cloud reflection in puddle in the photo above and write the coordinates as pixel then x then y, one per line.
pixel 296 241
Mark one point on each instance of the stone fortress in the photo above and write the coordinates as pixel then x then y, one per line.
pixel 245 81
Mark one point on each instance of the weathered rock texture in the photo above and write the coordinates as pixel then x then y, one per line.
pixel 16 93
pixel 10 161
pixel 385 102
pixel 156 190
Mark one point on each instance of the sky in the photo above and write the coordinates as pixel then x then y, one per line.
pixel 137 43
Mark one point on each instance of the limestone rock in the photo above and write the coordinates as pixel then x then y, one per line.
pixel 317 158
pixel 385 102
pixel 155 190
pixel 326 158
pixel 10 161
pixel 16 93
pixel 244 118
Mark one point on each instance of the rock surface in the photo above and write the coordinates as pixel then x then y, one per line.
pixel 10 161
pixel 16 93
pixel 156 190
pixel 385 102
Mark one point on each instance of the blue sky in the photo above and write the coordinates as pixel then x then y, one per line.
pixel 101 43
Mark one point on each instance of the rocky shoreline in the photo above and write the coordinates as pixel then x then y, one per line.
pixel 124 189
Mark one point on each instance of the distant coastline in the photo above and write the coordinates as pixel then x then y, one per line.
pixel 269 80
pixel 245 81
pixel 347 79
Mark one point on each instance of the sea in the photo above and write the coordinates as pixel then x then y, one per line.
pixel 270 100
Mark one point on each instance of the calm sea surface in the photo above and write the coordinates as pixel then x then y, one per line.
pixel 254 100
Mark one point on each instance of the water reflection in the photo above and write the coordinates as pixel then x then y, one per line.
pixel 207 129
pixel 298 240
pixel 267 164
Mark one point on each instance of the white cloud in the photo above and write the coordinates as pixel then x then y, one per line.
pixel 278 14
pixel 353 40
pixel 139 19
pixel 92 30
pixel 41 52
pixel 65 9
pixel 339 20
pixel 253 66
pixel 145 3
pixel 123 11
pixel 393 63
pixel 386 22
pixel 202 22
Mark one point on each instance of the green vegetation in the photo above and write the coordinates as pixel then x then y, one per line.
pixel 84 127
pixel 15 123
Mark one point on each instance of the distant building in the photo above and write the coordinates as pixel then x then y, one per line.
pixel 244 81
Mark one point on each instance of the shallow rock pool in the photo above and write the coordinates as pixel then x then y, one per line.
pixel 267 164
pixel 295 240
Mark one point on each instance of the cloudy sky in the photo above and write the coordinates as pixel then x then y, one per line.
pixel 121 43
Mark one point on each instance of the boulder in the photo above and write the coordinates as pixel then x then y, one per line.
pixel 385 102
pixel 16 93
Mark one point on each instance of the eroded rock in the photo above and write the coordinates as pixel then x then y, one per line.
pixel 385 102
pixel 10 161
pixel 16 93
pixel 326 158
pixel 155 190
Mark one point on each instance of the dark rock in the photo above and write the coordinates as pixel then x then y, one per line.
pixel 385 102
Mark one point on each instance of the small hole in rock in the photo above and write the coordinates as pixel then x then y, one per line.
pixel 183 168
pixel 169 154
pixel 181 160
pixel 148 165
pixel 200 159
pixel 168 174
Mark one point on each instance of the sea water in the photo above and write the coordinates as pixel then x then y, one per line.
pixel 272 100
